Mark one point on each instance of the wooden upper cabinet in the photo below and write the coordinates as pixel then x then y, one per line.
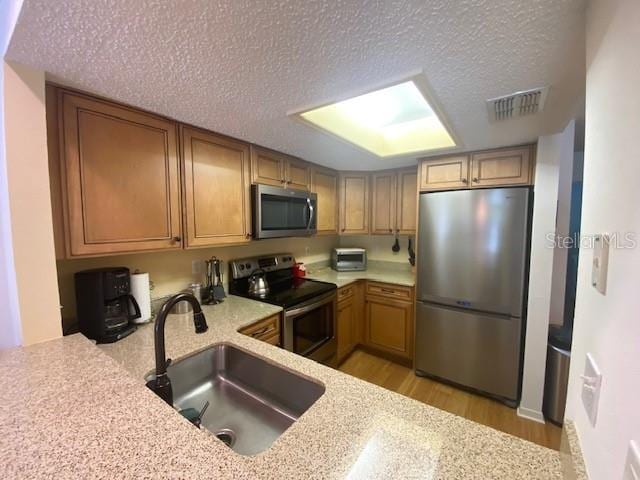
pixel 407 201
pixel 121 178
pixel 297 174
pixel 216 186
pixel 501 167
pixel 354 203
pixel 324 183
pixel 446 173
pixel 383 203
pixel 269 167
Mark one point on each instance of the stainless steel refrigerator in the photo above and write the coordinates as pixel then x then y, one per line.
pixel 472 264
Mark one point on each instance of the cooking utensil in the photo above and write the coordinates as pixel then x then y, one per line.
pixel 214 290
pixel 412 253
pixel 396 245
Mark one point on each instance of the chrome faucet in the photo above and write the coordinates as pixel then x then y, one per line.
pixel 161 384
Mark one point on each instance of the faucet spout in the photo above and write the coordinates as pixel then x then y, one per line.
pixel 161 384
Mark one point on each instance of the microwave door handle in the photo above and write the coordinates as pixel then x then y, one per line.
pixel 311 212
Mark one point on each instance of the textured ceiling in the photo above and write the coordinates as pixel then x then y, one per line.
pixel 238 66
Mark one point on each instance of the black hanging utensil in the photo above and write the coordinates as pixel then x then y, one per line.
pixel 412 254
pixel 396 245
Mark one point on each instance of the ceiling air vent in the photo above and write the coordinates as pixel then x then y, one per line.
pixel 517 104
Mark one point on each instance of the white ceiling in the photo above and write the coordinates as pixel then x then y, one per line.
pixel 238 66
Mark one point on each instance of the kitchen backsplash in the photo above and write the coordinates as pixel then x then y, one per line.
pixel 171 272
pixel 379 246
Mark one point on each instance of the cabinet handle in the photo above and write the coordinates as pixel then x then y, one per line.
pixel 464 180
pixel 386 290
pixel 177 239
pixel 248 235
pixel 262 331
pixel 343 229
pixel 391 230
pixel 475 179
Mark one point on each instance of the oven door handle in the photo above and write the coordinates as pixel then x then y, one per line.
pixel 311 212
pixel 305 308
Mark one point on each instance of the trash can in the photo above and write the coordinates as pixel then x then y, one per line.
pixel 557 374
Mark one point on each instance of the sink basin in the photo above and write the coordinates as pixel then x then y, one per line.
pixel 252 401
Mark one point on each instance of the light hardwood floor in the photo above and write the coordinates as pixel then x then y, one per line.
pixel 488 412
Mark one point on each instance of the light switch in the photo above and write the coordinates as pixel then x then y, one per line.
pixel 600 262
pixel 632 467
pixel 591 383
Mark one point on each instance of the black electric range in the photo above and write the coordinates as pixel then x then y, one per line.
pixel 286 292
pixel 308 320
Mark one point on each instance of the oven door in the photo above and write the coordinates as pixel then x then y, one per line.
pixel 282 212
pixel 309 329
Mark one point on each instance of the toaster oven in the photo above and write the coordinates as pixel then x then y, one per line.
pixel 349 259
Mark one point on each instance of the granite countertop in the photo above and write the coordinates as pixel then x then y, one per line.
pixel 388 272
pixel 74 410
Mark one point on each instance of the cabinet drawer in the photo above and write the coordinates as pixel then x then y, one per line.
pixel 273 340
pixel 345 292
pixel 264 329
pixel 391 291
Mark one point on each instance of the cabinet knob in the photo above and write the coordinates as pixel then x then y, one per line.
pixel 248 235
pixel 464 180
pixel 475 179
pixel 391 230
pixel 177 239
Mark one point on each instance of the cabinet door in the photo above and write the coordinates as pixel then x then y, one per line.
pixel 501 167
pixel 121 178
pixel 407 201
pixel 446 173
pixel 324 183
pixel 267 167
pixel 345 328
pixel 298 174
pixel 383 203
pixel 389 326
pixel 354 204
pixel 217 208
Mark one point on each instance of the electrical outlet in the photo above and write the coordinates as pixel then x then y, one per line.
pixel 591 383
pixel 632 467
pixel 198 267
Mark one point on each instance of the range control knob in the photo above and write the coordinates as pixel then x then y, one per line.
pixel 241 266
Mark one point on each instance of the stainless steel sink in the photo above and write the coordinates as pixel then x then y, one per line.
pixel 252 402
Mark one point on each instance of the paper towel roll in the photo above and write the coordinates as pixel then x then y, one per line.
pixel 142 293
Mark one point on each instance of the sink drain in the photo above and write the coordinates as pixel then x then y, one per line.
pixel 226 436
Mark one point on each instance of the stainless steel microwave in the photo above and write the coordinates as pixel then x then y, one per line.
pixel 349 259
pixel 283 212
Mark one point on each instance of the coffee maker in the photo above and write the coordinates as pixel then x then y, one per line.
pixel 104 303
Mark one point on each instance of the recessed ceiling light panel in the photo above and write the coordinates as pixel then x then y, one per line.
pixel 395 120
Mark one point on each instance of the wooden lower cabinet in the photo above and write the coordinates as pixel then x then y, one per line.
pixel 389 319
pixel 376 315
pixel 266 330
pixel 346 325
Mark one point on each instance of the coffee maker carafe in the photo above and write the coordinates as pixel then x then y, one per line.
pixel 104 303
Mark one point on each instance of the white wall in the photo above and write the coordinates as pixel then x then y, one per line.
pixel 608 326
pixel 553 150
pixel 563 212
pixel 27 173
pixel 10 331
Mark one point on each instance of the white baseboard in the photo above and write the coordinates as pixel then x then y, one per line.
pixel 530 414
